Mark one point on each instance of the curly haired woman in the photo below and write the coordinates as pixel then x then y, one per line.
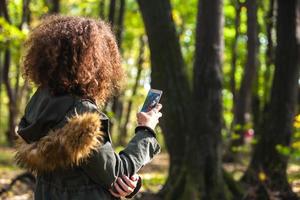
pixel 63 136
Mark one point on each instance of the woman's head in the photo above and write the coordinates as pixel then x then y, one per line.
pixel 74 55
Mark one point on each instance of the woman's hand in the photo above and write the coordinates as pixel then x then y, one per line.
pixel 149 119
pixel 124 186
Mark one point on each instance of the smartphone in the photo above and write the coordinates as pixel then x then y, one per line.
pixel 152 100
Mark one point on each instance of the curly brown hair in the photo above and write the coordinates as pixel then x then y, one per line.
pixel 74 55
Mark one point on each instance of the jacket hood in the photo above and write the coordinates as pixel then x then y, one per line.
pixel 64 147
pixel 50 138
pixel 43 113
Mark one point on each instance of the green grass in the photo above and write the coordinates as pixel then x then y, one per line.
pixel 293 170
pixel 153 182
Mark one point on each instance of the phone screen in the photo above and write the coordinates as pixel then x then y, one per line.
pixel 152 100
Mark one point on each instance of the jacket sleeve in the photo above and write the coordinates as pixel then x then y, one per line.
pixel 105 165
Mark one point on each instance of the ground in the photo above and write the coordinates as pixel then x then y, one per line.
pixel 153 176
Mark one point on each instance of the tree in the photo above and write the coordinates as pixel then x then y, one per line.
pixel 270 50
pixel 117 106
pixel 205 179
pixel 10 133
pixel 238 7
pixel 201 175
pixel 140 62
pixel 277 125
pixel 243 100
pixel 168 74
pixel 111 13
pixel 102 9
pixel 14 90
pixel 54 6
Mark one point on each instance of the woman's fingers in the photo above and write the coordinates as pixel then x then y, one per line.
pixel 142 115
pixel 113 193
pixel 150 119
pixel 157 108
pixel 159 114
pixel 129 182
pixel 134 177
pixel 155 111
pixel 124 186
pixel 119 190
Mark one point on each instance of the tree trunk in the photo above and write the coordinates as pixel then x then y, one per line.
pixel 277 126
pixel 269 51
pixel 54 6
pixel 256 104
pixel 120 23
pixel 3 10
pixel 205 179
pixel 10 133
pixel 111 13
pixel 141 60
pixel 1 80
pixel 25 13
pixel 102 9
pixel 243 103
pixel 237 22
pixel 168 74
pixel 229 155
pixel 117 104
pixel 298 99
pixel 14 92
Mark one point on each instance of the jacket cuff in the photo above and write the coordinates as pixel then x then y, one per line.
pixel 145 128
pixel 136 189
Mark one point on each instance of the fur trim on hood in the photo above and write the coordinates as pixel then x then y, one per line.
pixel 64 147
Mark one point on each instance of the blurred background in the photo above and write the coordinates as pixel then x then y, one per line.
pixel 229 71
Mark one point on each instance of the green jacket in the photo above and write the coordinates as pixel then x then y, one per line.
pixel 65 140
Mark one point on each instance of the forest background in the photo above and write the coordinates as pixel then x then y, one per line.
pixel 229 70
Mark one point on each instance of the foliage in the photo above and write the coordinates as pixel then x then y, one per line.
pixel 184 15
pixel 10 34
pixel 294 149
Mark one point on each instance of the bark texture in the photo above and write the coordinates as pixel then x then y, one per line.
pixel 168 74
pixel 205 179
pixel 277 126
